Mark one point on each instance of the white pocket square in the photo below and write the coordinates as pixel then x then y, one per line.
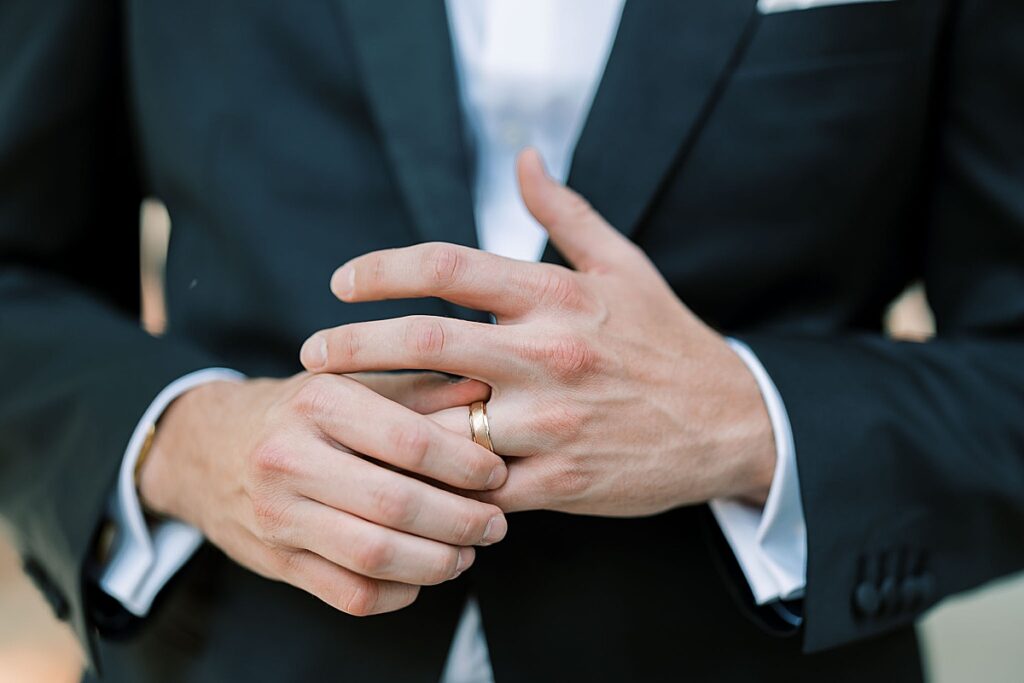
pixel 773 6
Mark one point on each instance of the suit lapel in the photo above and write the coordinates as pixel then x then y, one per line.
pixel 405 54
pixel 668 62
pixel 666 66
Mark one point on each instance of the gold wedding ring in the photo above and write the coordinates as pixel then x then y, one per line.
pixel 479 427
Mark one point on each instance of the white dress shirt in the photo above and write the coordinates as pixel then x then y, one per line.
pixel 528 71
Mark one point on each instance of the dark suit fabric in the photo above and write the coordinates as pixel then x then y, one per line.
pixel 789 175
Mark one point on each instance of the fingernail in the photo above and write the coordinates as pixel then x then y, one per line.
pixel 314 352
pixel 495 530
pixel 497 476
pixel 343 283
pixel 465 559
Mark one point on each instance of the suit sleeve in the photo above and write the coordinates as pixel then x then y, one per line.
pixel 911 455
pixel 76 370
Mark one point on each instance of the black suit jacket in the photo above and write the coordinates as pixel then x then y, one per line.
pixel 788 174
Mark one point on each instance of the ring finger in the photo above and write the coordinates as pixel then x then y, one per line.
pixel 509 427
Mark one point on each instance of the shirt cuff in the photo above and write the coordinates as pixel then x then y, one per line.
pixel 770 544
pixel 145 557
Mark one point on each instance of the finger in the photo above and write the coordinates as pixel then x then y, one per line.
pixel 478 350
pixel 424 392
pixel 510 436
pixel 372 550
pixel 468 277
pixel 391 499
pixel 343 589
pixel 529 486
pixel 365 422
pixel 456 420
pixel 586 240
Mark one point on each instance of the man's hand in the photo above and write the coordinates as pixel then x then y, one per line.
pixel 268 471
pixel 615 397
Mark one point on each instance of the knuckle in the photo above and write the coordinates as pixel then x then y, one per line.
pixel 478 463
pixel 468 528
pixel 443 265
pixel 273 459
pixel 412 443
pixel 286 562
pixel 373 556
pixel 407 596
pixel 361 598
pixel 344 345
pixel 426 337
pixel 447 566
pixel 350 346
pixel 558 420
pixel 271 515
pixel 394 506
pixel 377 270
pixel 471 464
pixel 569 357
pixel 571 478
pixel 313 395
pixel 559 288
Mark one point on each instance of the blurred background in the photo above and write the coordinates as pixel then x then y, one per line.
pixel 977 637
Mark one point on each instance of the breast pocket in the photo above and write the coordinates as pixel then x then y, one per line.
pixel 774 6
pixel 829 33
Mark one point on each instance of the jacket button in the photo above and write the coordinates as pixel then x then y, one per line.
pixel 889 596
pixel 866 599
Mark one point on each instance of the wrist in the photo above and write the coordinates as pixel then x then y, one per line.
pixel 759 472
pixel 749 436
pixel 166 476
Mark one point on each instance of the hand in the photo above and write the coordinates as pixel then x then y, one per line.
pixel 268 470
pixel 613 396
pixel 423 392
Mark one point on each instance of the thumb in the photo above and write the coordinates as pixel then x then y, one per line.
pixel 582 236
